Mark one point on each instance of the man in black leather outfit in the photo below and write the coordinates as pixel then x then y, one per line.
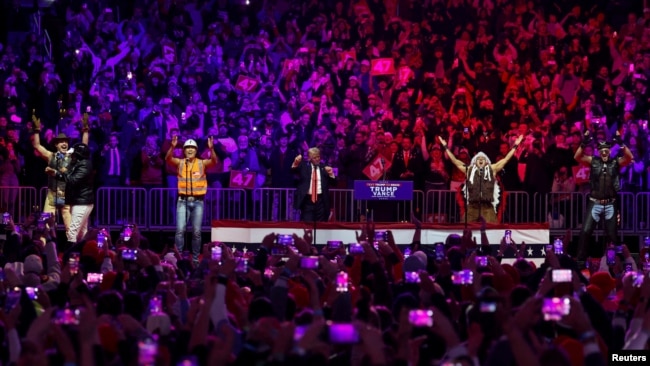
pixel 78 177
pixel 605 184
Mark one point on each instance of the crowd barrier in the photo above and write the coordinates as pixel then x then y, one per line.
pixel 155 208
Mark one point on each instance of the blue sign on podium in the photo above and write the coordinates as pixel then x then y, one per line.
pixel 398 190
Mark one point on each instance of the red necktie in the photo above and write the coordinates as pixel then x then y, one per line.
pixel 314 185
pixel 406 158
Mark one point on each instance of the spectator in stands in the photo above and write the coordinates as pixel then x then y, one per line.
pixel 114 166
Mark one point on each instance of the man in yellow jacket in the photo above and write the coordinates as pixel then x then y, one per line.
pixel 192 187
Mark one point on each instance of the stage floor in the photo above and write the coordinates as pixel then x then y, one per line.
pixel 249 232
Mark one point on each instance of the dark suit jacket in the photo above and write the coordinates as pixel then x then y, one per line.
pixel 415 165
pixel 304 171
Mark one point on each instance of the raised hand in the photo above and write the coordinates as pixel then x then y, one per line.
pixel 174 141
pixel 36 122
pixel 84 122
pixel 210 143
pixel 442 141
pixel 519 139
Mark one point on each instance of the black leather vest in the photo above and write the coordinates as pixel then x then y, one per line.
pixel 613 183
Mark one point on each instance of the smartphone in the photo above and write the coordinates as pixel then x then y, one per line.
pixel 555 308
pixel 508 237
pixel 487 306
pixel 334 244
pixel 67 317
pixel 215 253
pixel 646 241
pixel 183 115
pixel 551 49
pixel 6 218
pixel 299 332
pixel 440 251
pixel 147 351
pixel 285 239
pixel 464 277
pixel 309 262
pixel 465 130
pixel 356 249
pixel 481 261
pixel 381 235
pixel 73 262
pixel 89 109
pixel 101 240
pixel 411 277
pixel 558 247
pixel 611 257
pixel 421 318
pixel 94 278
pixel 242 266
pixel 155 305
pixel 32 292
pixel 619 249
pixel 129 254
pixel 628 268
pixel 129 75
pixel 343 333
pixel 342 282
pixel 631 68
pixel 638 280
pixel 188 361
pixel 561 275
pixel 128 232
pixel 42 220
pixel 12 298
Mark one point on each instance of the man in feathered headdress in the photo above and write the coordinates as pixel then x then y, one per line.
pixel 481 190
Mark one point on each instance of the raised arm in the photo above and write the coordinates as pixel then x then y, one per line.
pixel 85 129
pixel 36 142
pixel 627 154
pixel 213 155
pixel 499 165
pixel 580 156
pixel 169 158
pixel 459 164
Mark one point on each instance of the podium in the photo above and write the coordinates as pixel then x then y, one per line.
pixel 384 197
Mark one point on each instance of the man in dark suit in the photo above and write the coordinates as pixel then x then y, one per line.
pixel 312 194
pixel 282 176
pixel 408 164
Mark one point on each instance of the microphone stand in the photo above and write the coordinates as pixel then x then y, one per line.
pixel 480 195
pixel 466 194
pixel 187 197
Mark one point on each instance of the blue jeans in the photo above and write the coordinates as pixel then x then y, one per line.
pixel 195 211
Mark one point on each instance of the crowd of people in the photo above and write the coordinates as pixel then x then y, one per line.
pixel 140 88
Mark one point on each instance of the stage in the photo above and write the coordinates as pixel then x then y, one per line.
pixel 251 233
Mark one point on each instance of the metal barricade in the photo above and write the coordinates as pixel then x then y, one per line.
pixel 643 213
pixel 517 208
pixel 564 210
pixel 344 208
pixel 18 201
pixel 218 204
pixel 226 204
pixel 117 206
pixel 441 207
pixel 628 212
pixel 274 204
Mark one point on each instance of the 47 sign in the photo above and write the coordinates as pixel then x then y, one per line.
pixel 246 84
pixel 377 167
pixel 382 66
pixel 242 179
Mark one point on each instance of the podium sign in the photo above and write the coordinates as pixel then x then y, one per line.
pixel 383 190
